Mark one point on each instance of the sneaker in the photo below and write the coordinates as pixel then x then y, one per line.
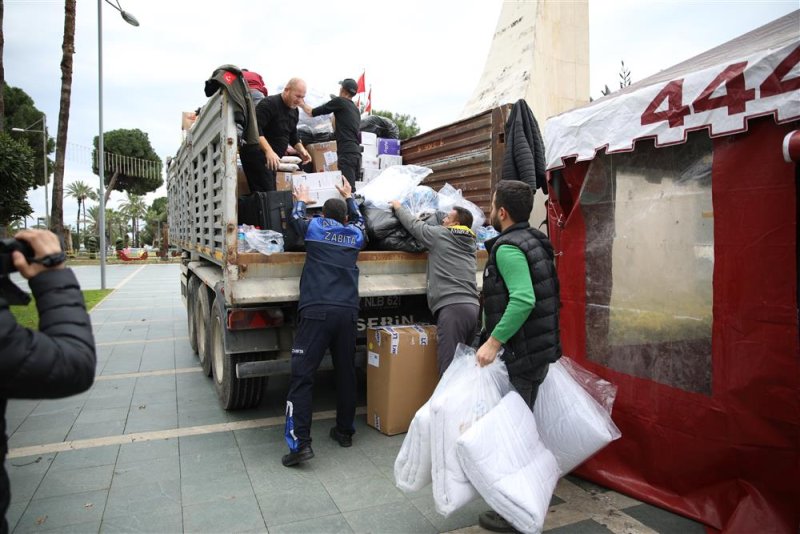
pixel 344 440
pixel 491 520
pixel 294 458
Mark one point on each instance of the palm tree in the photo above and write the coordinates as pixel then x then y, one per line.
pixel 67 51
pixel 135 208
pixel 80 191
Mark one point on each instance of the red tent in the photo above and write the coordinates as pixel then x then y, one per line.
pixel 674 218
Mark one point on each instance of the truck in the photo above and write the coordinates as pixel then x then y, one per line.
pixel 242 307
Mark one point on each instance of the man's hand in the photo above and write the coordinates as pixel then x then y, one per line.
pixel 488 351
pixel 43 243
pixel 303 153
pixel 301 194
pixel 345 190
pixel 395 204
pixel 273 161
pixel 306 108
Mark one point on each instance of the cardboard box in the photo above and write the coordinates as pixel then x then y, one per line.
pixel 401 374
pixel 369 175
pixel 369 163
pixel 323 156
pixel 385 161
pixel 283 180
pixel 369 151
pixel 389 146
pixel 187 120
pixel 369 138
pixel 321 185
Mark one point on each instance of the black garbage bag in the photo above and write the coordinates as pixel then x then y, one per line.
pixel 400 239
pixel 380 126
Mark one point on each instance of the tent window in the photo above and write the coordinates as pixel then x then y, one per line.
pixel 650 262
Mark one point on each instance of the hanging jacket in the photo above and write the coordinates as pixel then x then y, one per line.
pixel 524 157
pixel 229 79
pixel 537 342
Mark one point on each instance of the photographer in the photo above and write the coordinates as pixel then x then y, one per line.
pixel 56 361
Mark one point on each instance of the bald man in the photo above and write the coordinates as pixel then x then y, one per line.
pixel 277 117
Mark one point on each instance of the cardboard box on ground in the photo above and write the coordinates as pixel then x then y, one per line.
pixel 323 156
pixel 401 374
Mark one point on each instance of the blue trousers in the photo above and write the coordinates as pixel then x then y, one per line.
pixel 321 328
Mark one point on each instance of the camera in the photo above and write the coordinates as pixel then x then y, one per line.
pixel 9 245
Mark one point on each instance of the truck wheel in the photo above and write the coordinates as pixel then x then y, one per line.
pixel 191 298
pixel 234 393
pixel 202 324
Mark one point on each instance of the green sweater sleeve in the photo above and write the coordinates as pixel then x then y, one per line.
pixel 514 269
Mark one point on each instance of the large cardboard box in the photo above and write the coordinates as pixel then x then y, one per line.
pixel 401 374
pixel 369 163
pixel 386 160
pixel 369 151
pixel 283 180
pixel 321 185
pixel 368 138
pixel 323 156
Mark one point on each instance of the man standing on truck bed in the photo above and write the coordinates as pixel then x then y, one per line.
pixel 347 128
pixel 277 118
pixel 327 317
pixel 451 287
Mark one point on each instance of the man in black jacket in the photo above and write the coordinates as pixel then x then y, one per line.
pixel 56 361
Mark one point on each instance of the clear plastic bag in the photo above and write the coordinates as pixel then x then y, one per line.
pixel 449 197
pixel 485 233
pixel 263 241
pixel 465 394
pixel 421 200
pixel 601 390
pixel 395 183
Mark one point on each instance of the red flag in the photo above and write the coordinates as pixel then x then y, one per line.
pixel 368 107
pixel 358 103
pixel 361 86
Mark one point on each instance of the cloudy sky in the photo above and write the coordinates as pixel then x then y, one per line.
pixel 423 58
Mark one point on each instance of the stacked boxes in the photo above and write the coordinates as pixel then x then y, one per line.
pixel 401 374
pixel 321 185
pixel 323 156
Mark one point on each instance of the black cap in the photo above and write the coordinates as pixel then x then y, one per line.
pixel 349 85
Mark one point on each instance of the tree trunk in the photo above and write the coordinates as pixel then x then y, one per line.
pixel 2 73
pixel 67 50
pixel 78 224
pixel 110 187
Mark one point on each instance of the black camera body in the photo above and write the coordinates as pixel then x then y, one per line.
pixel 8 291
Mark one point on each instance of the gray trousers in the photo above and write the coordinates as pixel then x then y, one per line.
pixel 455 323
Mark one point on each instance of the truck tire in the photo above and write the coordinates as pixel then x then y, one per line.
pixel 191 306
pixel 234 393
pixel 202 327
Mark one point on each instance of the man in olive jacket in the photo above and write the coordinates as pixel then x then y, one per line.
pixel 56 361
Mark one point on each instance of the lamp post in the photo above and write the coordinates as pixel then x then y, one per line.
pixel 130 19
pixel 43 131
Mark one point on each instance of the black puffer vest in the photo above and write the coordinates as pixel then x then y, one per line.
pixel 537 342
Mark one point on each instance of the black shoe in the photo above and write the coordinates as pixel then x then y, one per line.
pixel 344 440
pixel 491 520
pixel 294 458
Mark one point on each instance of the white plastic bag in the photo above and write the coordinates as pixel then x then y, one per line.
pixel 507 463
pixel 457 402
pixel 571 423
pixel 449 197
pixel 412 467
pixel 421 200
pixel 394 183
pixel 264 241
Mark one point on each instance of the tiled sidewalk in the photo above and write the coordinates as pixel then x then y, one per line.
pixel 225 478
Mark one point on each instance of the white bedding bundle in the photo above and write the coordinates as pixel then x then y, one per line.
pixel 412 468
pixel 507 463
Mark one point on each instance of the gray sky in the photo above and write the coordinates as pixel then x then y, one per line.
pixel 422 58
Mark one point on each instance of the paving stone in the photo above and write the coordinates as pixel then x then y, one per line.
pixel 81 458
pixel 358 493
pixel 145 523
pixel 54 422
pixel 207 443
pixel 36 437
pixel 102 415
pixel 25 475
pixel 95 430
pixel 333 463
pixel 200 489
pixel 212 464
pixel 155 498
pixel 14 512
pixel 69 481
pixel 147 450
pixel 461 518
pixel 331 524
pixel 306 500
pixel 63 511
pixel 588 526
pixel 137 473
pixel 400 517
pixel 663 521
pixel 201 416
pixel 223 516
pixel 68 406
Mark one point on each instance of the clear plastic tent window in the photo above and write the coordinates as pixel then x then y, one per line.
pixel 650 263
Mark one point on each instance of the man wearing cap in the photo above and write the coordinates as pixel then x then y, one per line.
pixel 347 128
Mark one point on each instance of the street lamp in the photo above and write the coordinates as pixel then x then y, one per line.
pixel 130 19
pixel 43 131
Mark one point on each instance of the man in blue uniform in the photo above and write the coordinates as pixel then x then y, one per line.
pixel 328 312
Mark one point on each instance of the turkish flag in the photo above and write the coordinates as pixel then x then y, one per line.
pixel 361 86
pixel 368 107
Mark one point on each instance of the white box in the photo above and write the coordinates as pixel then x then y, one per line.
pixel 369 163
pixel 369 151
pixel 370 174
pixel 321 185
pixel 385 161
pixel 369 139
pixel 321 195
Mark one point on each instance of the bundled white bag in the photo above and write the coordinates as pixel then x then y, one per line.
pixel 507 463
pixel 412 467
pixel 394 183
pixel 449 196
pixel 466 395
pixel 572 424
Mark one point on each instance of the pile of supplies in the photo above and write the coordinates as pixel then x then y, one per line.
pixel 477 436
